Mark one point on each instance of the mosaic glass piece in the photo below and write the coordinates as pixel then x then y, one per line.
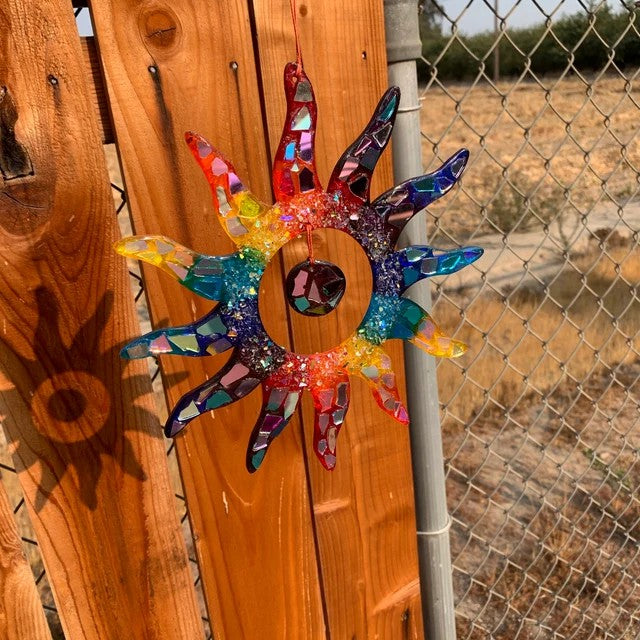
pixel 331 401
pixel 278 405
pixel 313 287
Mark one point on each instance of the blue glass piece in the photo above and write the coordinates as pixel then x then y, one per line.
pixel 398 205
pixel 290 151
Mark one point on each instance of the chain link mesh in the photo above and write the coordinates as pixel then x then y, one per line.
pixel 541 418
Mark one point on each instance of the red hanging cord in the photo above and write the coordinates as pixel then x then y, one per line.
pixel 310 243
pixel 294 19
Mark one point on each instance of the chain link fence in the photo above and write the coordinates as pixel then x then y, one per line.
pixel 541 418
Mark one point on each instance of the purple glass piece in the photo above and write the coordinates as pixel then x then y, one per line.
pixel 278 405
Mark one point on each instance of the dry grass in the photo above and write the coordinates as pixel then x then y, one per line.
pixel 534 154
pixel 543 454
pixel 588 319
pixel 541 419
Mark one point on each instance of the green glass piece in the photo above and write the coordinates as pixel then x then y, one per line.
pixel 302 120
pixel 413 254
pixel 302 304
pixel 249 208
pixel 258 457
pixel 427 183
pixel 218 399
pixel 413 314
pixel 190 411
pixel 389 109
pixel 370 372
pixel 185 343
pixel 214 326
pixel 290 405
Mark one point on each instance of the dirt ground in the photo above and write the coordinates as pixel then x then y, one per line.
pixel 538 150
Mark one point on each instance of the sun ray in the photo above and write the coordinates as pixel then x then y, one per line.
pixel 278 405
pixel 352 173
pixel 373 364
pixel 331 402
pixel 414 324
pixel 235 280
pixel 202 274
pixel 419 262
pixel 211 334
pixel 225 278
pixel 398 205
pixel 233 382
pixel 294 167
pixel 237 207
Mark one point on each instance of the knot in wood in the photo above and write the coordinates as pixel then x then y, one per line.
pixel 159 28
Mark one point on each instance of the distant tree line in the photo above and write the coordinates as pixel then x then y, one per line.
pixel 586 39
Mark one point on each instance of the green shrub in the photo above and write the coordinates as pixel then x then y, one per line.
pixel 585 40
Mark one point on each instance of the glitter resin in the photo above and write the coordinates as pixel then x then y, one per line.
pixel 259 231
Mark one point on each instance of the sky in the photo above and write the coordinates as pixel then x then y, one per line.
pixel 477 17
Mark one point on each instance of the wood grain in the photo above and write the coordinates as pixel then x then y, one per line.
pixel 21 613
pixel 85 441
pixel 364 509
pixel 171 67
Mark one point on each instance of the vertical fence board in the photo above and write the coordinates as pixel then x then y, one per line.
pixel 364 508
pixel 21 613
pixel 190 65
pixel 80 423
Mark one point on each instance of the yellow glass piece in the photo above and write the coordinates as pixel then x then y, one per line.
pixel 431 340
pixel 159 251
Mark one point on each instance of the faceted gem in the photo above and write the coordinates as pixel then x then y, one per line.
pixel 315 288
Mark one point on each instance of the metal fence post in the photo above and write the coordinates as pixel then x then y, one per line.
pixel 403 47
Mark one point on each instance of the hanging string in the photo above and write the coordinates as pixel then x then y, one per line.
pixel 310 243
pixel 294 19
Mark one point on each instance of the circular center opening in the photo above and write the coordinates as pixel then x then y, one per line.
pixel 315 288
pixel 312 333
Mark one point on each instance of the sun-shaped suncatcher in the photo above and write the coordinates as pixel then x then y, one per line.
pixel 313 287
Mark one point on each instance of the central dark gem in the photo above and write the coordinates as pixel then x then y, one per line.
pixel 315 288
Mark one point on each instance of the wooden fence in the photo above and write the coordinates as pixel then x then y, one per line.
pixel 289 552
